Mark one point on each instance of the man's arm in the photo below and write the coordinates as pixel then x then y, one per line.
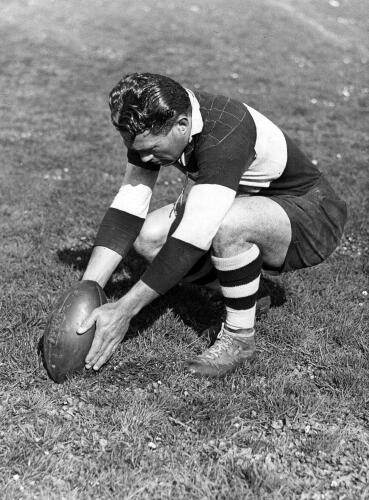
pixel 205 209
pixel 101 265
pixel 118 230
pixel 121 224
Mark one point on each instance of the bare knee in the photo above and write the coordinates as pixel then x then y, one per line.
pixel 231 238
pixel 149 242
pixel 255 220
pixel 154 233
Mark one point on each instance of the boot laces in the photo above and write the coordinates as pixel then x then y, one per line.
pixel 223 343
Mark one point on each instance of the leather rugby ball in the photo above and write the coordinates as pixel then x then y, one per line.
pixel 64 350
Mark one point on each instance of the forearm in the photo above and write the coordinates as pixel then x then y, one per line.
pixel 139 296
pixel 102 264
pixel 121 223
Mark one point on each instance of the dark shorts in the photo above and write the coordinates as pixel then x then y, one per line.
pixel 317 221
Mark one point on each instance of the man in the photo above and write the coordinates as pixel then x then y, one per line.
pixel 257 202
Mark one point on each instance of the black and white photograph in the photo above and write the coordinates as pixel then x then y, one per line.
pixel 184 259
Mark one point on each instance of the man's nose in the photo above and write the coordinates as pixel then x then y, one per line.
pixel 146 157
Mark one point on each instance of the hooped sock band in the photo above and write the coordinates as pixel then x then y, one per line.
pixel 239 278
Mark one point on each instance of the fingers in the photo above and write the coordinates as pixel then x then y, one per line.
pixel 97 347
pixel 111 327
pixel 87 323
pixel 103 356
pixel 103 346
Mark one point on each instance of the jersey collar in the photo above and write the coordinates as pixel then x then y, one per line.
pixel 197 125
pixel 197 121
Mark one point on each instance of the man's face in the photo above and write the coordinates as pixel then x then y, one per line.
pixel 162 149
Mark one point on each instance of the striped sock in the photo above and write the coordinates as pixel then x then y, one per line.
pixel 239 278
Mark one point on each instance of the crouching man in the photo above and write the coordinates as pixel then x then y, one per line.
pixel 257 202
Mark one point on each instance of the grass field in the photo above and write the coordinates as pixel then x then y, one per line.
pixel 292 425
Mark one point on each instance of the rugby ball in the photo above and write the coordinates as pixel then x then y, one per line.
pixel 64 350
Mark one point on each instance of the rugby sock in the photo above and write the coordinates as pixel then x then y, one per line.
pixel 239 278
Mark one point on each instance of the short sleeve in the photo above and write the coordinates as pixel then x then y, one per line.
pixel 229 154
pixel 226 147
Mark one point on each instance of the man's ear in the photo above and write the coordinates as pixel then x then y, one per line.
pixel 183 123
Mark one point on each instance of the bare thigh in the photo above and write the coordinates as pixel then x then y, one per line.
pixel 259 220
pixel 251 219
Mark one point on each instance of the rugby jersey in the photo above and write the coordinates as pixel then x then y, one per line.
pixel 233 149
pixel 236 146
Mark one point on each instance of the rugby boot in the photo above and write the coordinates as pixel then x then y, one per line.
pixel 263 304
pixel 229 351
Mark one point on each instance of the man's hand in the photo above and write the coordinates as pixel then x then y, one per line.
pixel 112 322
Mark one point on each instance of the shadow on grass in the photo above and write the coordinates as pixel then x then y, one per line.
pixel 198 308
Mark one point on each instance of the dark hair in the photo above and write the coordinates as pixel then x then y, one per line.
pixel 146 101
